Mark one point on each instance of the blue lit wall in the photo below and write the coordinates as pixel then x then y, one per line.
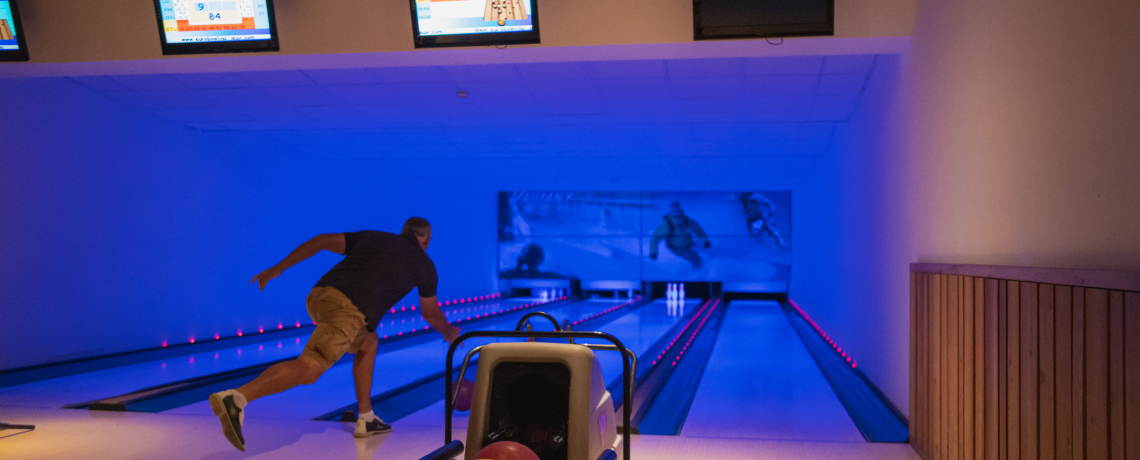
pixel 853 279
pixel 122 231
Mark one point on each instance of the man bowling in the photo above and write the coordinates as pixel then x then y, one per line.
pixel 347 303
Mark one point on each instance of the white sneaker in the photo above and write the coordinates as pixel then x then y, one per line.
pixel 375 427
pixel 232 417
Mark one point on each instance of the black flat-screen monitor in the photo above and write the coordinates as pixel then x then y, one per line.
pixel 714 19
pixel 216 26
pixel 439 23
pixel 12 45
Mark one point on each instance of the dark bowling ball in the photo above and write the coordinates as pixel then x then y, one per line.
pixel 466 392
pixel 506 450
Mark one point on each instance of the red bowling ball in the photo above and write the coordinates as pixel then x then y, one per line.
pixel 506 450
pixel 466 391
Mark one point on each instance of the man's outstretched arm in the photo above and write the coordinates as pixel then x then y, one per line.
pixel 429 307
pixel 333 242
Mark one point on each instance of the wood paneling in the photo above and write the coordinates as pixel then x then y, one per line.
pixel 979 369
pixel 1063 325
pixel 1116 374
pixel 1029 402
pixel 1096 373
pixel 1046 392
pixel 1078 394
pixel 1023 369
pixel 1013 370
pixel 1132 375
pixel 991 378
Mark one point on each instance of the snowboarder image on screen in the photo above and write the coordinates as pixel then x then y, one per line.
pixel 677 230
pixel 758 211
pixel 532 256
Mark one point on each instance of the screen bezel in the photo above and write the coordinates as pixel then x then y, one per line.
pixel 219 47
pixel 826 28
pixel 20 55
pixel 487 39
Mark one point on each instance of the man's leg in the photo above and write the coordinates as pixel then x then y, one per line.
pixel 689 255
pixel 338 322
pixel 362 368
pixel 282 376
pixel 368 423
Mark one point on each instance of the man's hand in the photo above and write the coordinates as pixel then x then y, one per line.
pixel 262 278
pixel 451 334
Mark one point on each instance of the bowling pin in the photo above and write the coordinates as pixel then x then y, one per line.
pixel 682 296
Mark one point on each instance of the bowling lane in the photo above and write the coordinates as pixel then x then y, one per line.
pixel 638 330
pixel 761 383
pixel 393 369
pixel 112 382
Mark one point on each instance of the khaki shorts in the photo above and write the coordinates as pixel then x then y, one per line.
pixel 340 326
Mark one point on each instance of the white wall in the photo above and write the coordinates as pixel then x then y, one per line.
pixel 1023 130
pixel 1010 138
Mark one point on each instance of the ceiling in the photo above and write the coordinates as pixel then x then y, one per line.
pixel 754 105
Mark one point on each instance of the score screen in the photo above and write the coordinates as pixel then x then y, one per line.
pixel 197 21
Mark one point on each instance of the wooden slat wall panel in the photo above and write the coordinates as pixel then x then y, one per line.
pixel 967 297
pixel 939 355
pixel 1029 365
pixel 1013 363
pixel 1116 373
pixel 1096 373
pixel 1004 369
pixel 1132 375
pixel 915 416
pixel 953 370
pixel 992 364
pixel 1063 324
pixel 1046 396
pixel 979 370
pixel 1078 394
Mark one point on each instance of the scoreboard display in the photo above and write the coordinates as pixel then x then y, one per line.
pixel 200 26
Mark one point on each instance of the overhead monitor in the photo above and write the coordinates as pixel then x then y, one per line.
pixel 210 26
pixel 12 45
pixel 437 23
pixel 714 19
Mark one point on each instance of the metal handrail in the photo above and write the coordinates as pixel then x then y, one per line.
pixel 463 369
pixel 627 382
pixel 532 314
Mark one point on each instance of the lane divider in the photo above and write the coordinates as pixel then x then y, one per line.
pixel 696 332
pixel 608 310
pixel 673 341
pixel 838 349
pixel 298 325
pixel 479 317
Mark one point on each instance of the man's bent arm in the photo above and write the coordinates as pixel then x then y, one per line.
pixel 333 242
pixel 429 308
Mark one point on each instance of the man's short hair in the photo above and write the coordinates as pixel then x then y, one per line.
pixel 417 227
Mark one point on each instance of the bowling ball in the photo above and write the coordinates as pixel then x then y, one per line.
pixel 466 392
pixel 506 450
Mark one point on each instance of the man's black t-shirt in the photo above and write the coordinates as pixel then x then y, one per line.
pixel 378 270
